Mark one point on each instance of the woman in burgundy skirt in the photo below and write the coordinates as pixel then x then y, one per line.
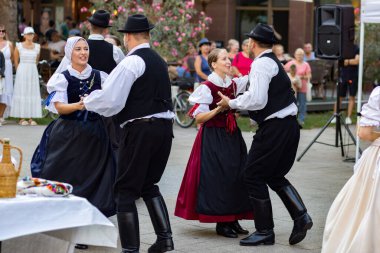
pixel 212 188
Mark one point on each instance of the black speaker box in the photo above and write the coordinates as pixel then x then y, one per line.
pixel 334 32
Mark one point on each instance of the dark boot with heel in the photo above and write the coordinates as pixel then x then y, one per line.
pixel 224 229
pixel 237 228
pixel 161 224
pixel 264 235
pixel 128 223
pixel 297 210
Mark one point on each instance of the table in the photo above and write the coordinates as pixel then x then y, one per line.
pixel 70 218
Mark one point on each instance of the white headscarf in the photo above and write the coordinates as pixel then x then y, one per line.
pixel 69 47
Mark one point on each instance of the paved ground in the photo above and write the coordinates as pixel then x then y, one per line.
pixel 318 177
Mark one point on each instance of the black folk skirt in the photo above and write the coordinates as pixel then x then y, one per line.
pixel 221 188
pixel 80 153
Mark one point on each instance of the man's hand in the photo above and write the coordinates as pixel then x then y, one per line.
pixel 224 102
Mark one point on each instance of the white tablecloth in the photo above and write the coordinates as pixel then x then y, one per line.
pixel 71 218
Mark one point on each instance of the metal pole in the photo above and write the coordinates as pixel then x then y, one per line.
pixel 360 83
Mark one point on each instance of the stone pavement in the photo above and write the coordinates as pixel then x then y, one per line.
pixel 318 177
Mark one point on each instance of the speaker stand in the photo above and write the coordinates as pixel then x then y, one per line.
pixel 338 127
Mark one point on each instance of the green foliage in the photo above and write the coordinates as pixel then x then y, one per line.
pixel 177 23
pixel 371 66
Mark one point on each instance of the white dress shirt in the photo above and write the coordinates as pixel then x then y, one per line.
pixel 118 54
pixel 59 83
pixel 115 91
pixel 202 94
pixel 256 97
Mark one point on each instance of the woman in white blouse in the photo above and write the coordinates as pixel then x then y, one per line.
pixel 353 222
pixel 78 147
pixel 212 189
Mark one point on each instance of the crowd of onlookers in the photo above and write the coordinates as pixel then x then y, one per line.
pixel 195 65
pixel 48 41
pixel 20 95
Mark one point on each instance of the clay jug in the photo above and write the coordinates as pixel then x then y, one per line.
pixel 8 172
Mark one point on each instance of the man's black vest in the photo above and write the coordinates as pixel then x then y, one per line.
pixel 280 93
pixel 151 92
pixel 101 55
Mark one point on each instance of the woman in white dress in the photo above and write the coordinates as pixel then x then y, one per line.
pixel 353 222
pixel 6 48
pixel 26 101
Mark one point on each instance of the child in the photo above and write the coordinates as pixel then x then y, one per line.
pixel 294 78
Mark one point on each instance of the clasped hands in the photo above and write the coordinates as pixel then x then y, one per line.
pixel 80 104
pixel 223 103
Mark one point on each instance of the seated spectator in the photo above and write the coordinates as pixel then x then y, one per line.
pixel 241 64
pixel 56 45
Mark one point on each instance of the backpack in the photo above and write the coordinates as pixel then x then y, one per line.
pixel 39 154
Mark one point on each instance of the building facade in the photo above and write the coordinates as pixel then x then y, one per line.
pixel 292 19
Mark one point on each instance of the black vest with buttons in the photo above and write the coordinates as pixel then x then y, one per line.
pixel 151 92
pixel 280 93
pixel 101 55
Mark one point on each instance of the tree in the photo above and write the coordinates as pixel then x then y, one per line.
pixel 8 14
pixel 177 23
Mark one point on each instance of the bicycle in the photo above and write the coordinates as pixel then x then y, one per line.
pixel 44 73
pixel 181 104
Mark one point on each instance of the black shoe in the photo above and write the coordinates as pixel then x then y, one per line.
pixel 224 229
pixel 301 226
pixel 297 210
pixel 265 237
pixel 160 219
pixel 237 228
pixel 81 246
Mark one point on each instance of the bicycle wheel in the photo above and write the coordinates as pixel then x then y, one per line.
pixel 181 107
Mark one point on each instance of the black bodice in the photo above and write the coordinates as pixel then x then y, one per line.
pixel 77 88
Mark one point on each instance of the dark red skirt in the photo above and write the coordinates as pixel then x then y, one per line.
pixel 187 197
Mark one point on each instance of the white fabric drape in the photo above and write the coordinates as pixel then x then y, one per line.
pixel 370 11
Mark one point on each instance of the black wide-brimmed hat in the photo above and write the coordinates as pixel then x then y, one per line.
pixel 136 23
pixel 263 33
pixel 100 18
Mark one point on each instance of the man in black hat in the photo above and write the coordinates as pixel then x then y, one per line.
pixel 271 103
pixel 103 55
pixel 138 92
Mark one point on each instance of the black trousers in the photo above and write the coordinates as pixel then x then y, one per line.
pixel 143 153
pixel 271 156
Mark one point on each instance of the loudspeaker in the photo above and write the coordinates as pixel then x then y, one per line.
pixel 334 32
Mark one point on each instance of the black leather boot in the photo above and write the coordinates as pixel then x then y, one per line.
pixel 224 229
pixel 298 212
pixel 160 219
pixel 128 223
pixel 262 211
pixel 237 228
